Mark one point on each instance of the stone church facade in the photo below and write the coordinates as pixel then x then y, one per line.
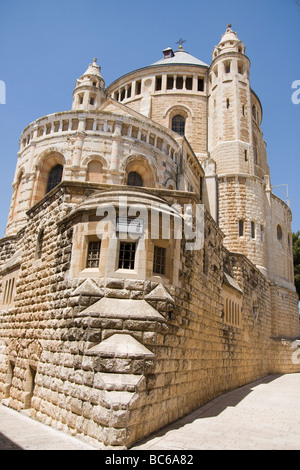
pixel 114 322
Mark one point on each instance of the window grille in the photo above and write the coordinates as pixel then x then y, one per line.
pixel 178 124
pixel 127 255
pixel 93 254
pixel 159 260
pixel 134 179
pixel 54 177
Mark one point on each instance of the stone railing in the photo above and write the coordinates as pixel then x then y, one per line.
pixel 98 124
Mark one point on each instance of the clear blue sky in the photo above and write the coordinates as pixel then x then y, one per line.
pixel 46 45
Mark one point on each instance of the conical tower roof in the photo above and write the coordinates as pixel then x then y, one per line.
pixel 93 69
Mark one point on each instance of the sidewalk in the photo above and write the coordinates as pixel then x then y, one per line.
pixel 262 415
pixel 19 432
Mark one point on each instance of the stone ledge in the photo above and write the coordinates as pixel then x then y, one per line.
pixel 109 307
pixel 121 346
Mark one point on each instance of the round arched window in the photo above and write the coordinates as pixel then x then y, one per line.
pixel 134 179
pixel 178 124
pixel 54 178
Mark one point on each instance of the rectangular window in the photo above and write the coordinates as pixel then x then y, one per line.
pixel 158 84
pixel 159 260
pixel 93 254
pixel 127 255
pixel 262 233
pixel 123 94
pixel 241 228
pixel 189 83
pixel 252 229
pixel 200 84
pixel 179 83
pixel 138 87
pixel 227 67
pixel 170 83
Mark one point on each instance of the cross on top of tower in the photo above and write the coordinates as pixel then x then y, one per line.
pixel 180 42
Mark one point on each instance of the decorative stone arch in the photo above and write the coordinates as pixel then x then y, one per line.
pixel 170 184
pixel 96 166
pixel 184 110
pixel 88 159
pixel 178 110
pixel 140 165
pixel 46 163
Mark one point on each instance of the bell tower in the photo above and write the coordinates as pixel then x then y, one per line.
pixel 89 90
pixel 235 143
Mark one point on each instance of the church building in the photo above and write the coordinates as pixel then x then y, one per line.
pixel 147 265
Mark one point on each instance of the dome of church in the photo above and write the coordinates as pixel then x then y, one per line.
pixel 179 57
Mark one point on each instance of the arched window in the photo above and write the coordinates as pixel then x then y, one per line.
pixel 178 124
pixel 54 178
pixel 279 233
pixel 134 179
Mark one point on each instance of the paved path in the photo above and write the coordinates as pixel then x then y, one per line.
pixel 261 415
pixel 264 415
pixel 19 432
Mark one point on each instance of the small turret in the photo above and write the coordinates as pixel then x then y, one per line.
pixel 89 90
pixel 229 43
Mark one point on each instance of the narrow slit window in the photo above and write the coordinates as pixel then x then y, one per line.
pixel 252 229
pixel 241 228
pixel 39 247
pixel 159 260
pixel 127 255
pixel 93 254
pixel 279 233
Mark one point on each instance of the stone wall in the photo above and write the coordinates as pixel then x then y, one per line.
pixel 113 359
